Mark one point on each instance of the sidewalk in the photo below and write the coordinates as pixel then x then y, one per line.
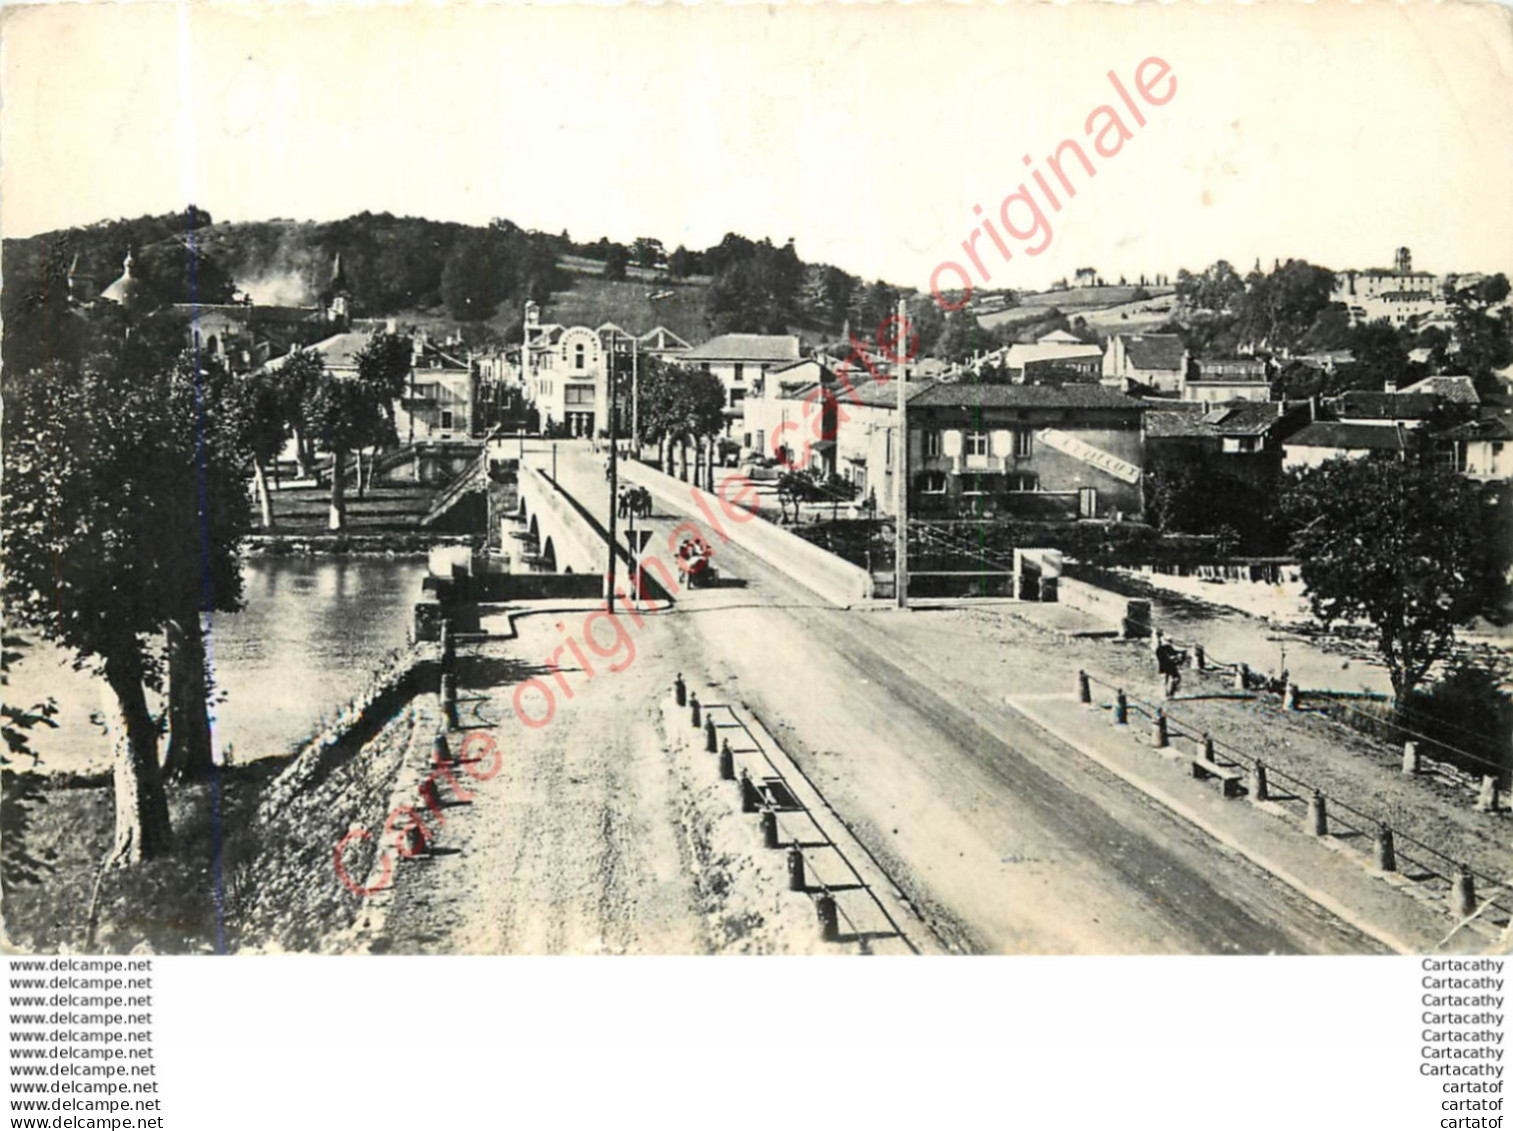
pixel 1036 672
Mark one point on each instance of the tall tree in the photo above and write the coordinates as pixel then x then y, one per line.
pixel 616 259
pixel 296 379
pixel 1399 546
pixel 265 411
pixel 344 415
pixel 112 504
pixel 209 512
pixel 383 366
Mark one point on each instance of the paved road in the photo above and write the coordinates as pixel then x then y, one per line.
pixel 1010 840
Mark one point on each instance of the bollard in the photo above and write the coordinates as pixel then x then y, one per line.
pixel 830 927
pixel 1290 696
pixel 693 705
pixel 1200 661
pixel 1410 758
pixel 1258 790
pixel 1159 737
pixel 1121 709
pixel 1317 821
pixel 1386 854
pixel 415 840
pixel 1242 677
pixel 769 829
pixel 750 798
pixel 680 690
pixel 448 646
pixel 441 752
pixel 1465 892
pixel 795 869
pixel 1208 748
pixel 711 744
pixel 449 699
pixel 727 763
pixel 1084 688
pixel 1486 800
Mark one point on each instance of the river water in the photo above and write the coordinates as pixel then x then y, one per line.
pixel 312 632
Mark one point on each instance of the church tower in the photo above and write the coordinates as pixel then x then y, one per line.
pixel 336 306
pixel 81 283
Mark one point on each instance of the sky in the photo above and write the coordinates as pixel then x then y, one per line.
pixel 866 133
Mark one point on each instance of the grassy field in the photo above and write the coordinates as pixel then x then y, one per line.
pixel 628 303
pixel 1103 307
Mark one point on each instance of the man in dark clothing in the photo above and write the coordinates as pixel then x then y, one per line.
pixel 1168 662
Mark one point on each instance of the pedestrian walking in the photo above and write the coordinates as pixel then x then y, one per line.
pixel 1168 663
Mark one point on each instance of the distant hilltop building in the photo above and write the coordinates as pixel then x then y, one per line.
pixel 1399 294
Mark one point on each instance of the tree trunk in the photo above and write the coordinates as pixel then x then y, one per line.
pixel 264 500
pixel 189 756
pixel 362 489
pixel 683 460
pixel 302 460
pixel 142 827
pixel 338 517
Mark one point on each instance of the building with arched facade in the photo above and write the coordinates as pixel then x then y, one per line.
pixel 564 371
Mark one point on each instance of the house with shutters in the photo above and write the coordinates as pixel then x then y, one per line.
pixel 789 414
pixel 1068 452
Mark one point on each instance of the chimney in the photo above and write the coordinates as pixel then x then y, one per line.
pixel 1313 408
pixel 1390 385
pixel 391 326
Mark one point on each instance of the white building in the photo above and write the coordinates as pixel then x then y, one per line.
pixel 564 372
pixel 1398 294
pixel 740 361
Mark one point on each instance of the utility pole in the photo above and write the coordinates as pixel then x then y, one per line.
pixel 901 472
pixel 635 398
pixel 614 476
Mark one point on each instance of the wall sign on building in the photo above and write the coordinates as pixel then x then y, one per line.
pixel 1078 449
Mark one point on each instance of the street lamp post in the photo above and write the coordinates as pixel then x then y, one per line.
pixel 614 476
pixel 901 472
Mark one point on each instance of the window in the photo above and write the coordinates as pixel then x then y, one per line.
pixel 578 356
pixel 761 441
pixel 446 420
pixel 1024 443
pixel 1022 482
pixel 932 443
pixel 579 394
pixel 737 396
pixel 933 482
pixel 977 443
pixel 740 373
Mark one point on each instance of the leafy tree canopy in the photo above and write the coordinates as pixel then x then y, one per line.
pixel 1400 546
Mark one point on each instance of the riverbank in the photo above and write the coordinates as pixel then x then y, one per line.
pixel 250 867
pixel 395 544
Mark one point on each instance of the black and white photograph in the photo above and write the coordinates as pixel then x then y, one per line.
pixel 812 480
